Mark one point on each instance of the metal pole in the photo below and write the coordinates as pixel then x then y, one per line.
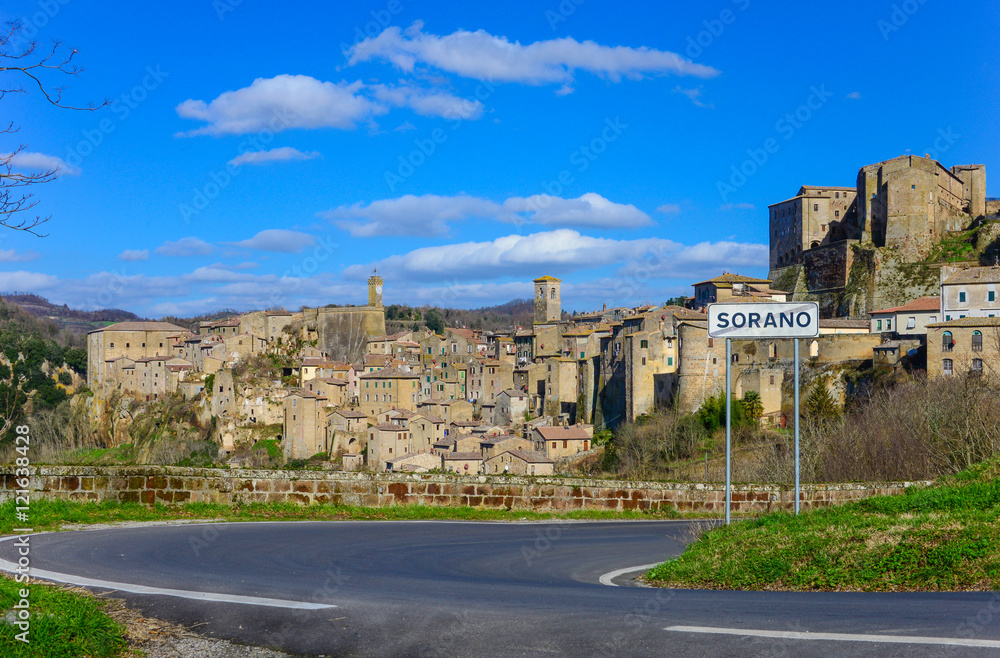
pixel 729 405
pixel 796 426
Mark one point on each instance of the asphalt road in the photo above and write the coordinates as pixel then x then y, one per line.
pixel 485 589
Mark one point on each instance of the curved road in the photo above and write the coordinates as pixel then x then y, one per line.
pixel 461 588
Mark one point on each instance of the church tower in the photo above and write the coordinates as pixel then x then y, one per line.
pixel 375 290
pixel 548 303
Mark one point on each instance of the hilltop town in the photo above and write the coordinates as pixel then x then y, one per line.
pixel 521 400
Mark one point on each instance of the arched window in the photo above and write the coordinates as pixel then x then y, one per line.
pixel 977 342
pixel 814 349
pixel 947 342
pixel 814 244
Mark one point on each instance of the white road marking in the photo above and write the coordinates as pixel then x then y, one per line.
pixel 840 637
pixel 611 575
pixel 181 593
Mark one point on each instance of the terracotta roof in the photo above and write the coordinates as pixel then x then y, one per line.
pixel 844 323
pixel 530 456
pixel 141 326
pixel 350 413
pixel 463 456
pixel 728 278
pixel 926 303
pixel 389 372
pixel 975 275
pixel 563 433
pixel 391 427
pixel 968 322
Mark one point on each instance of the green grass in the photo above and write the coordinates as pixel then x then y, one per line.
pixel 943 537
pixel 64 623
pixel 47 515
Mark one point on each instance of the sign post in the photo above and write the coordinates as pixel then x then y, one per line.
pixel 756 321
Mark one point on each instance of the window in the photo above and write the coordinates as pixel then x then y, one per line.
pixel 711 342
pixel 581 355
pixel 977 366
pixel 553 295
pixel 961 296
pixel 946 367
pixel 913 187
pixel 836 214
pixel 911 323
pixel 772 380
pixel 947 342
pixel 126 344
pixel 933 319
pixel 643 360
pixel 644 343
pixel 565 443
pixel 977 341
pixel 991 295
pixel 112 344
pixel 836 195
pixel 670 360
pixel 816 207
pixel 878 325
pixel 144 344
pixel 888 325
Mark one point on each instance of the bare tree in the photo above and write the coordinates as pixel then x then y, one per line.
pixel 23 65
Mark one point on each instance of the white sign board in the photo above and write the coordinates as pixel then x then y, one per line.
pixel 764 320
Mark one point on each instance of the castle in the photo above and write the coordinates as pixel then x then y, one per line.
pixel 836 245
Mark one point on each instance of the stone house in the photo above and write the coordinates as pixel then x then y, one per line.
pixel 964 345
pixel 465 463
pixel 333 389
pixel 387 388
pixel 304 425
pixel 560 441
pixel 457 443
pixel 346 430
pixel 493 446
pixel 519 462
pixel 425 430
pixel 385 443
pixel 725 287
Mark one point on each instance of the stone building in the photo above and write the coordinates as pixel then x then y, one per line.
pixel 560 441
pixel 519 462
pixel 132 340
pixel 909 320
pixel 387 388
pixel 511 407
pixel 304 425
pixel 814 216
pixel 386 442
pixel 548 300
pixel 963 346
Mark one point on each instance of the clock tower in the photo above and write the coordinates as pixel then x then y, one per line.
pixel 375 290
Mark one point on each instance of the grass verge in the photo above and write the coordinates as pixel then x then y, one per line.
pixel 54 514
pixel 942 537
pixel 63 623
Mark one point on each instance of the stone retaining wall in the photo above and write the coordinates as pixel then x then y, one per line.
pixel 172 484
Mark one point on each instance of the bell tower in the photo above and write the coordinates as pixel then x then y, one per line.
pixel 375 290
pixel 548 301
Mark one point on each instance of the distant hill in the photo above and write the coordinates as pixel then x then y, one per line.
pixel 79 322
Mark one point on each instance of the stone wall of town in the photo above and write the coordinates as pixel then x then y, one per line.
pixel 172 485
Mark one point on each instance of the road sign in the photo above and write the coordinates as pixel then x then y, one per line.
pixel 763 320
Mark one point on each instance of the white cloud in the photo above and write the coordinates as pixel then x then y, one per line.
pixel 694 95
pixel 28 160
pixel 404 127
pixel 281 103
pixel 589 210
pixel 13 256
pixel 185 247
pixel 134 254
pixel 28 281
pixel 669 208
pixel 429 103
pixel 854 95
pixel 737 206
pixel 561 249
pixel 429 215
pixel 281 154
pixel 280 240
pixel 484 56
pixel 700 260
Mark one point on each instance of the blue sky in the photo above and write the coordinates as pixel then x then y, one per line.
pixel 261 154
